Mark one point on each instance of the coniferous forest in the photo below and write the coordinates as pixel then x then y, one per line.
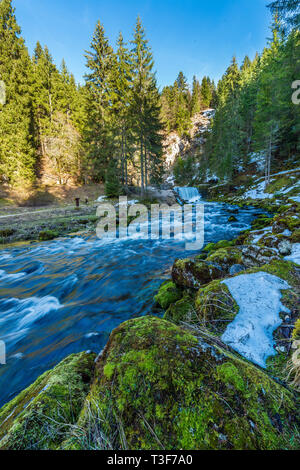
pixel 114 122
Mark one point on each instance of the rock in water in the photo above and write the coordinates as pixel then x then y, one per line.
pixel 159 386
pixel 40 417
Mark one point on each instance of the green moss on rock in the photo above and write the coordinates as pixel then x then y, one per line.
pixel 190 274
pixel 181 311
pixel 225 257
pixel 168 294
pixel 41 416
pixel 166 388
pixel 262 222
pixel 216 246
pixel 215 307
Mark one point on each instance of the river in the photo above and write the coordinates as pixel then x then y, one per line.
pixel 67 295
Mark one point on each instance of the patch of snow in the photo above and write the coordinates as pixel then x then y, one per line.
pixel 258 234
pixel 296 199
pixel 295 255
pixel 209 113
pixel 290 188
pixel 258 192
pixel 171 180
pixel 259 298
pixel 259 160
pixel 286 172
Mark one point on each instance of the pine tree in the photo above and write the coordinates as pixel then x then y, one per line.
pixel 112 184
pixel 266 122
pixel 206 92
pixel 98 137
pixel 183 105
pixel 17 146
pixel 145 104
pixel 196 96
pixel 288 13
pixel 121 105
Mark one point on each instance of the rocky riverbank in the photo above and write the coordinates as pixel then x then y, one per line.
pixel 197 379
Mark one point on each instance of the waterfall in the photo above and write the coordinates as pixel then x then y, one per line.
pixel 188 194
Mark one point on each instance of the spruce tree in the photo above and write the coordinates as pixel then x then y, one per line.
pixel 17 147
pixel 121 104
pixel 98 136
pixel 112 184
pixel 145 105
pixel 288 13
pixel 196 96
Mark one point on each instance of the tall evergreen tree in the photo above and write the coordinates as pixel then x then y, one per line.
pixel 99 141
pixel 17 146
pixel 288 13
pixel 145 105
pixel 196 96
pixel 206 92
pixel 121 105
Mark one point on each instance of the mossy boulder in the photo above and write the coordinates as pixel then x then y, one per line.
pixel 215 307
pixel 288 220
pixel 190 274
pixel 182 311
pixel 286 270
pixel 225 258
pixel 168 294
pixel 159 386
pixel 254 255
pixel 262 222
pixel 42 415
pixel 296 331
pixel 216 246
pixel 295 236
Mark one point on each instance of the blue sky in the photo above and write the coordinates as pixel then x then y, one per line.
pixel 196 36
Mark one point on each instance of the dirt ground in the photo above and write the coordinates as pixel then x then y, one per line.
pixel 26 213
pixel 41 196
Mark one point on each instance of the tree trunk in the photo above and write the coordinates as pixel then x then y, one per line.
pixel 142 167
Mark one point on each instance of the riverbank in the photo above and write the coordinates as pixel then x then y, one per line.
pixel 178 382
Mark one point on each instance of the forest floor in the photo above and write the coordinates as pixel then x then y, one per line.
pixel 43 213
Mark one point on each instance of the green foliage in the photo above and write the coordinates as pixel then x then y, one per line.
pixel 46 235
pixel 184 170
pixel 17 148
pixel 288 12
pixel 112 185
pixel 178 104
pixel 255 112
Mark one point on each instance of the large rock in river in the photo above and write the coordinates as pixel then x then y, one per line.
pixel 159 386
pixel 41 416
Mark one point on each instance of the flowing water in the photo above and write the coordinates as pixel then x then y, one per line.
pixel 66 296
pixel 188 194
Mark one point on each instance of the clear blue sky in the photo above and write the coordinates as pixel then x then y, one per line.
pixel 196 36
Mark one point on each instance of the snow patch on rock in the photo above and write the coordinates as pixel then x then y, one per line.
pixel 259 298
pixel 295 255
